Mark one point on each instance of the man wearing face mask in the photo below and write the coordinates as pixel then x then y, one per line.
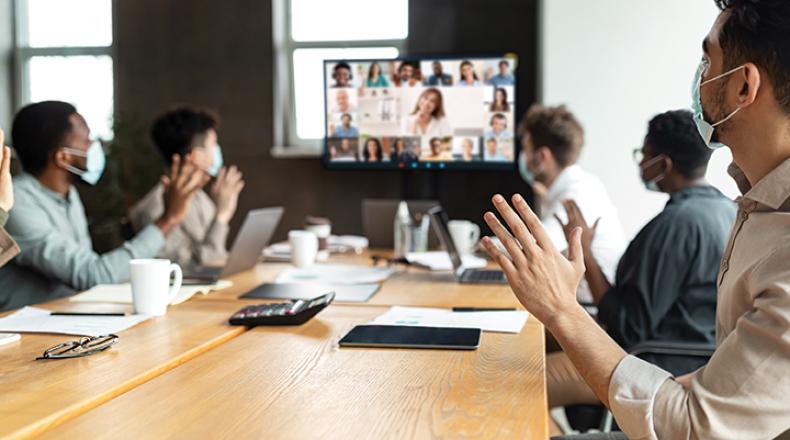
pixel 551 140
pixel 48 220
pixel 741 100
pixel 200 239
pixel 665 285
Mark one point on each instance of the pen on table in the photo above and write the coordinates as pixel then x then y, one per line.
pixel 482 309
pixel 85 314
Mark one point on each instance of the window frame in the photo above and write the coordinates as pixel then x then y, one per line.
pixel 286 140
pixel 23 53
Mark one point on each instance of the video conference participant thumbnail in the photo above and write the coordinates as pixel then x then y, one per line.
pixel 504 77
pixel 343 149
pixel 439 77
pixel 428 117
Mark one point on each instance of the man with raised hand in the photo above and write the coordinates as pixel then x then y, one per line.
pixel 742 100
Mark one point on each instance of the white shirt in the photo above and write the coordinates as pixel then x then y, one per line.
pixel 438 127
pixel 590 195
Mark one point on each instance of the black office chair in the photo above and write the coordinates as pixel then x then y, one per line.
pixel 676 357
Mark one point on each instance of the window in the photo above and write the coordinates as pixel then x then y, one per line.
pixel 307 32
pixel 64 53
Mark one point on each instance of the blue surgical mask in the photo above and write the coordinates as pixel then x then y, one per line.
pixel 652 184
pixel 704 127
pixel 216 164
pixel 94 163
pixel 523 169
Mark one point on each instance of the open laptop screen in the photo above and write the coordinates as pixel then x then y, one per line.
pixel 439 220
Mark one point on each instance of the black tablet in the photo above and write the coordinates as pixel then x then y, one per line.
pixel 390 336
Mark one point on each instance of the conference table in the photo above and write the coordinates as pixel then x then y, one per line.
pixel 189 374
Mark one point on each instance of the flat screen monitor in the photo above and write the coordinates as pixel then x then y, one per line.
pixel 424 113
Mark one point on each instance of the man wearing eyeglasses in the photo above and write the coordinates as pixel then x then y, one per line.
pixel 665 285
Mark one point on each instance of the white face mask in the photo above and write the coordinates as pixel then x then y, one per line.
pixel 704 127
pixel 94 163
pixel 652 184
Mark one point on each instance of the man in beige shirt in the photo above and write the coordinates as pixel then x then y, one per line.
pixel 201 237
pixel 742 99
pixel 8 247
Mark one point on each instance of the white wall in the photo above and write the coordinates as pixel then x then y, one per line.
pixel 617 63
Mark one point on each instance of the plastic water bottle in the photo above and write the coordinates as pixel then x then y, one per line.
pixel 402 228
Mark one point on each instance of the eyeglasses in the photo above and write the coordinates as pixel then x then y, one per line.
pixel 83 347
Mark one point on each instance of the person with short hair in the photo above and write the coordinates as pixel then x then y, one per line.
pixel 492 152
pixel 498 124
pixel 345 129
pixel 665 286
pixel 341 73
pixel 741 99
pixel 552 140
pixel 439 78
pixel 48 221
pixel 201 238
pixel 504 77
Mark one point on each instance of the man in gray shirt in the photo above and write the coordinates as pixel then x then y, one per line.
pixel 48 221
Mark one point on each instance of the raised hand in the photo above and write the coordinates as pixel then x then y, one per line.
pixel 576 220
pixel 225 192
pixel 544 280
pixel 6 185
pixel 180 187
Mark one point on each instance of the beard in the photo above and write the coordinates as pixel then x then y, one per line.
pixel 719 114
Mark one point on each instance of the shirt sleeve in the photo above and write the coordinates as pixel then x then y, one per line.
pixel 55 255
pixel 213 247
pixel 741 392
pixel 8 247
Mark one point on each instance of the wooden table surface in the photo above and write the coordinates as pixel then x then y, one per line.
pixel 297 383
pixel 399 392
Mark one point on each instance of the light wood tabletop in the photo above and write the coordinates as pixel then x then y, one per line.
pixel 296 382
pixel 409 287
pixel 38 395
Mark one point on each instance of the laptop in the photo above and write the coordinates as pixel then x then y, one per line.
pixel 439 221
pixel 255 233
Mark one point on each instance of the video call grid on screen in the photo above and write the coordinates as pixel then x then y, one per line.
pixel 427 113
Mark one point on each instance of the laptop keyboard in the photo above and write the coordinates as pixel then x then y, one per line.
pixel 484 276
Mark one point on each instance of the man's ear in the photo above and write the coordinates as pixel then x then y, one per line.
pixel 60 158
pixel 752 80
pixel 667 163
pixel 545 154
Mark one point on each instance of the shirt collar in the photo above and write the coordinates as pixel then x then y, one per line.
pixel 55 196
pixel 772 190
pixel 562 181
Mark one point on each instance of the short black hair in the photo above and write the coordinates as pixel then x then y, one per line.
pixel 504 62
pixel 674 134
pixel 341 65
pixel 38 130
pixel 174 131
pixel 757 31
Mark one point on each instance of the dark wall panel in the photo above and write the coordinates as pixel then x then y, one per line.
pixel 219 55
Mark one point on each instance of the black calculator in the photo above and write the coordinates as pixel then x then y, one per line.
pixel 295 312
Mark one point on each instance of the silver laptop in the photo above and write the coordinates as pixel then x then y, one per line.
pixel 254 235
pixel 439 221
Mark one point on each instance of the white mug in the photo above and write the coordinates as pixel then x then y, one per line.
pixel 151 290
pixel 304 248
pixel 465 235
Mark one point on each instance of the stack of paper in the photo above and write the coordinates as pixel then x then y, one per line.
pixel 334 274
pixel 36 320
pixel 502 321
pixel 440 260
pixel 122 293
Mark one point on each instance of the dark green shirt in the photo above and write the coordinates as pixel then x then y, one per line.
pixel 665 285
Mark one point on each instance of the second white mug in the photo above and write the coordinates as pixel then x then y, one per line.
pixel 304 248
pixel 465 235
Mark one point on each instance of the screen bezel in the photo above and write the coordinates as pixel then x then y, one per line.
pixel 422 166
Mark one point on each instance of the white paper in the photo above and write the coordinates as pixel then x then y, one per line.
pixel 122 293
pixel 440 260
pixel 36 320
pixel 334 274
pixel 501 322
